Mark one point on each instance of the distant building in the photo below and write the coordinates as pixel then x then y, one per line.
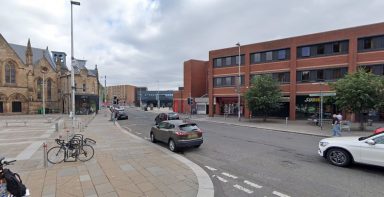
pixel 150 98
pixel 124 93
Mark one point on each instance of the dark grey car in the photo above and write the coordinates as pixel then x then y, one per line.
pixel 177 134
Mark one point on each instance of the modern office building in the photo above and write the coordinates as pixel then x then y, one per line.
pixel 303 65
pixel 154 97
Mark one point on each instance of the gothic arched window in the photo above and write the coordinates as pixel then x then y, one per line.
pixel 39 88
pixel 49 89
pixel 10 73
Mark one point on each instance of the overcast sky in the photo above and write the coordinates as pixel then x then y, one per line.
pixel 145 42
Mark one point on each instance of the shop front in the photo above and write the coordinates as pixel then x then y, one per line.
pixel 228 106
pixel 86 104
pixel 308 106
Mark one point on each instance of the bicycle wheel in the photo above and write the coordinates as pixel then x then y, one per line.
pixel 86 153
pixel 56 155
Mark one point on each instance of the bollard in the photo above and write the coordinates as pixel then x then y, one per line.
pixel 56 126
pixel 45 155
pixel 286 120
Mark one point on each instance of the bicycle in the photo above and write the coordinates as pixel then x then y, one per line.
pixel 77 148
pixel 3 183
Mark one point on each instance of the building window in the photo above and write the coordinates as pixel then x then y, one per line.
pixel 305 51
pixel 256 58
pixel 49 89
pixel 268 56
pixel 368 43
pixel 281 55
pixel 336 47
pixel 305 76
pixel 228 61
pixel 320 49
pixel 320 75
pixel 10 73
pixel 84 87
pixel 217 62
pixel 39 88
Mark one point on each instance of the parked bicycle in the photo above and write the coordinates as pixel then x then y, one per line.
pixel 77 147
pixel 11 184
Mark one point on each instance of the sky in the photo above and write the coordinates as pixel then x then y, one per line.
pixel 145 42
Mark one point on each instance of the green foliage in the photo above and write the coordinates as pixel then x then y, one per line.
pixel 264 95
pixel 359 92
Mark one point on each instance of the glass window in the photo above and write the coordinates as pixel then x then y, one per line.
pixel 84 87
pixel 281 54
pixel 49 89
pixel 217 62
pixel 336 47
pixel 320 75
pixel 256 57
pixel 228 61
pixel 305 76
pixel 367 43
pixel 320 49
pixel 10 73
pixel 228 81
pixel 218 81
pixel 39 88
pixel 189 127
pixel 305 51
pixel 269 56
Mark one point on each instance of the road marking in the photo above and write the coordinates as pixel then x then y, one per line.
pixel 29 151
pixel 138 133
pixel 222 179
pixel 210 168
pixel 229 175
pixel 253 184
pixel 280 194
pixel 146 138
pixel 243 189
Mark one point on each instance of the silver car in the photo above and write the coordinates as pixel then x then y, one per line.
pixel 177 134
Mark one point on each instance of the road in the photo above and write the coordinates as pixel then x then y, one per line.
pixel 245 161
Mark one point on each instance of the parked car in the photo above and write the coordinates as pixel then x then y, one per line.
pixel 121 114
pixel 166 116
pixel 177 134
pixel 342 151
pixel 378 130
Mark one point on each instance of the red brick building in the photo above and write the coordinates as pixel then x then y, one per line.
pixel 303 65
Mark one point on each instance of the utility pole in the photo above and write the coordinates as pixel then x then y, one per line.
pixel 72 68
pixel 238 85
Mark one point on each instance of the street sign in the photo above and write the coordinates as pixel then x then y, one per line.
pixel 324 94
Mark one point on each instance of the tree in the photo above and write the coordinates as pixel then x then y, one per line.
pixel 359 92
pixel 264 95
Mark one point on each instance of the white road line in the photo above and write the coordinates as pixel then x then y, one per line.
pixel 253 184
pixel 138 133
pixel 280 194
pixel 229 175
pixel 222 179
pixel 210 168
pixel 243 189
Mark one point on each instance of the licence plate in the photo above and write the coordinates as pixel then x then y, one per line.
pixel 192 136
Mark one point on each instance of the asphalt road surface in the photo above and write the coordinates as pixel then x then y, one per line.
pixel 245 161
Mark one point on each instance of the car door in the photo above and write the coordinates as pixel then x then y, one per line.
pixel 373 154
pixel 162 129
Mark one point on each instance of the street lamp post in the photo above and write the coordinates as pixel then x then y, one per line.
pixel 72 69
pixel 158 96
pixel 44 70
pixel 238 85
pixel 320 104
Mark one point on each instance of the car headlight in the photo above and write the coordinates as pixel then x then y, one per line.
pixel 322 144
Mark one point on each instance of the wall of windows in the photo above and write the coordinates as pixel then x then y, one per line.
pixel 377 69
pixel 370 43
pixel 323 49
pixel 282 77
pixel 270 56
pixel 227 81
pixel 330 74
pixel 228 61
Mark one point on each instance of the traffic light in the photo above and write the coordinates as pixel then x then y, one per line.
pixel 189 100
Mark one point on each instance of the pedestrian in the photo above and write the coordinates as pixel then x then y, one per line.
pixel 339 116
pixel 336 126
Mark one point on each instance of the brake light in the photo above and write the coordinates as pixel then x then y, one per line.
pixel 199 133
pixel 179 133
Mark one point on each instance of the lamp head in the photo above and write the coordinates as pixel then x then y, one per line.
pixel 75 2
pixel 238 44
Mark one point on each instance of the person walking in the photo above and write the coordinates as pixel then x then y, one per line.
pixel 336 126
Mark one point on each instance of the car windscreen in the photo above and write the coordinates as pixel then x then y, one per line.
pixel 364 138
pixel 188 127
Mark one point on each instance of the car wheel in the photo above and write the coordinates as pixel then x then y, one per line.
pixel 172 145
pixel 153 139
pixel 339 157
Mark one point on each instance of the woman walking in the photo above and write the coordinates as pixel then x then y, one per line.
pixel 336 126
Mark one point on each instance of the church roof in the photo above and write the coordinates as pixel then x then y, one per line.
pixel 38 54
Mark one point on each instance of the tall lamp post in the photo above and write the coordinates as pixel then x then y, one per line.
pixel 321 104
pixel 72 70
pixel 238 85
pixel 44 70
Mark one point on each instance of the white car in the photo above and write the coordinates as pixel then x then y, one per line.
pixel 342 151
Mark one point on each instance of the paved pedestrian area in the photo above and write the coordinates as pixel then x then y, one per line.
pixel 123 165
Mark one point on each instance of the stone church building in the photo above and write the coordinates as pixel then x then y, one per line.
pixel 23 72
